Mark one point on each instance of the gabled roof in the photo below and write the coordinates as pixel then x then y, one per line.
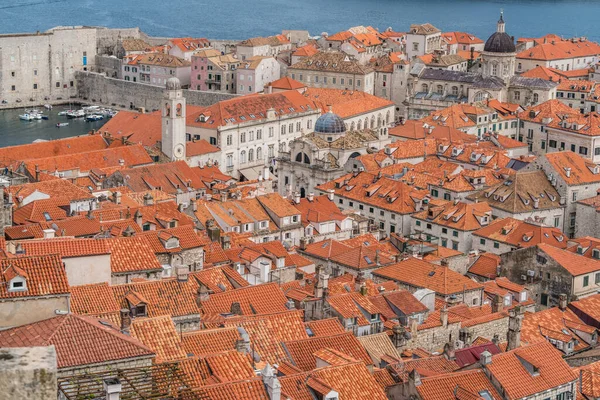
pixel 346 104
pixel 170 177
pixel 259 299
pixel 457 385
pixel 416 129
pixel 44 276
pixel 210 341
pixel 56 189
pixel 332 61
pixel 520 192
pixel 65 247
pixel 574 263
pixel 422 274
pixel 486 265
pixel 131 254
pixel 521 234
pixel 79 340
pixel 560 50
pixel 572 168
pixel 159 334
pixel 301 352
pixel 457 215
pixel 530 370
pixel 287 83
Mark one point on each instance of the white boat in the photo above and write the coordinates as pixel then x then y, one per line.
pixel 94 117
pixel 76 114
pixel 36 116
pixel 25 117
pixel 48 106
pixel 62 124
pixel 63 113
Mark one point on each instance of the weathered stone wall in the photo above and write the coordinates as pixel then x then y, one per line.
pixel 139 362
pixel 108 39
pixel 489 329
pixel 97 88
pixel 109 65
pixel 28 373
pixel 433 339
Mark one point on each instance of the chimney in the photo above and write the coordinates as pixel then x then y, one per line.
pixel 194 205
pixel 377 257
pixel 515 321
pixel 49 233
pixel 182 272
pixel 290 305
pixel 297 197
pixel 302 245
pixel 359 281
pixel 226 242
pixel 444 316
pixel 242 345
pixel 398 336
pixel 449 351
pixel 214 233
pixel 37 173
pixel 138 217
pixel 363 289
pixel 202 294
pixel 148 199
pixel 322 282
pixel 112 388
pixel 414 378
pixel 311 196
pixel 271 383
pixel 497 304
pixel 568 172
pixel 485 358
pixel 330 194
pixel 562 301
pixel 117 197
pixel 125 321
pixel 236 309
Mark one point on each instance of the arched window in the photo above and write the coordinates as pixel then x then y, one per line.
pixel 352 126
pixel 536 98
pixel 424 88
pixel 440 89
pixel 366 122
pixel 505 68
pixel 387 118
pixel 282 146
pixel 355 154
pixel 379 121
pixel 251 155
pixel 303 158
pixel 259 155
pixel 309 124
pixel 372 122
pixel 243 157
pixel 359 125
pixel 454 90
pixel 494 69
pixel 480 96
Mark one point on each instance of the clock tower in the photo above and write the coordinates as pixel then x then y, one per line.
pixel 173 121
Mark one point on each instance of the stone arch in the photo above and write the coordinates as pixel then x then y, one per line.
pixel 352 126
pixel 354 155
pixel 372 122
pixel 359 125
pixel 303 158
pixel 259 155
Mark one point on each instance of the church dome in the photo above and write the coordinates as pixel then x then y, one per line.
pixel 500 41
pixel 173 84
pixel 330 123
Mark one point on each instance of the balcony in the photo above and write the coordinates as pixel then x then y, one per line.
pixel 214 79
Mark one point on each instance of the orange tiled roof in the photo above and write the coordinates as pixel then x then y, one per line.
pixel 56 189
pixel 44 276
pixel 52 148
pixel 457 215
pixel 352 381
pixel 415 130
pixel 522 234
pixel 287 83
pixel 65 247
pixel 486 265
pixel 325 327
pixel 145 129
pixel 422 274
pixel 129 254
pixel 210 341
pixel 186 235
pixel 574 263
pixel 79 340
pixel 509 369
pixel 94 299
pixel 162 297
pixel 548 74
pixel 469 384
pixel 302 351
pixel 581 171
pixel 346 104
pixel 560 50
pixel 189 44
pixel 260 299
pixel 159 334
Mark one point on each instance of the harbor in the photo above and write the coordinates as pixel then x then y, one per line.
pixel 18 126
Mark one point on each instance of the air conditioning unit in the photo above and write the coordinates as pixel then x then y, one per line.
pixel 459 344
pixel 523 277
pixel 530 272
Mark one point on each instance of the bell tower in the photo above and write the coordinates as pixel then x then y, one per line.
pixel 173 121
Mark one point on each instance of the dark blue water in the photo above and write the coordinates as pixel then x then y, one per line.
pixel 240 19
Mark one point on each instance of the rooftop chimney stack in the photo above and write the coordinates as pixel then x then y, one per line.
pixel 311 197
pixel 272 383
pixel 125 321
pixel 444 316
pixel 497 304
pixel 485 358
pixel 515 321
pixel 112 388
pixel 297 197
pixel 562 302
pixel 330 194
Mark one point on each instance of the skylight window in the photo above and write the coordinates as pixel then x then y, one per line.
pixel 368 260
pixel 47 217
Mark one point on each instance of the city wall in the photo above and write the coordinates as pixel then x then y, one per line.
pixel 97 88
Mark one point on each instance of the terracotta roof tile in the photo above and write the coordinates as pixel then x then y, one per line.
pixel 444 387
pixel 95 299
pixel 44 276
pixel 510 370
pixel 302 352
pixel 160 335
pixel 560 49
pixel 78 340
pixel 522 234
pixel 325 327
pixel 210 341
pixel 346 104
pixel 260 299
pixel 421 274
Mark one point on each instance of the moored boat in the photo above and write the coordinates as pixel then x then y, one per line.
pixel 62 124
pixel 25 117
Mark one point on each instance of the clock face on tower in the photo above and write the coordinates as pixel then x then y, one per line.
pixel 178 151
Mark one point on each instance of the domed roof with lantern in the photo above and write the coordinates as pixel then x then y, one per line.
pixel 330 123
pixel 173 84
pixel 500 41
